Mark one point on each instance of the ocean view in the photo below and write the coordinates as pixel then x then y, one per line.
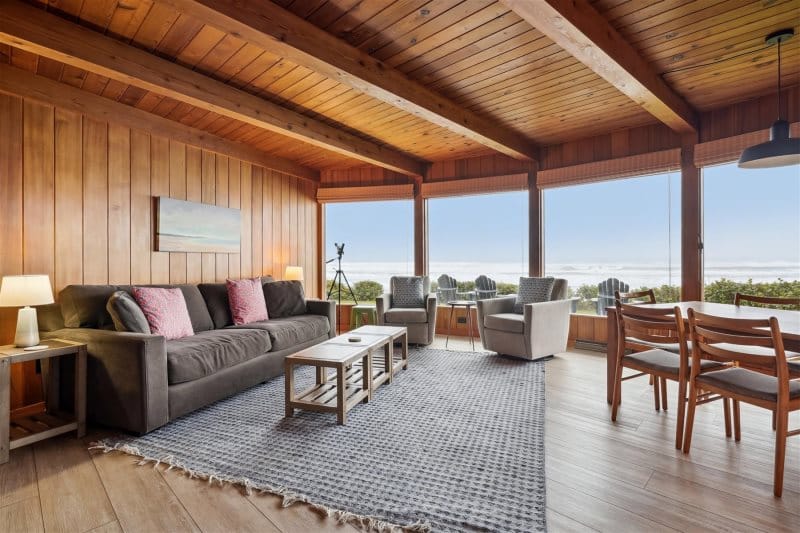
pixel 635 275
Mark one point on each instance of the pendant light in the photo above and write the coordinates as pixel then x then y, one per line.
pixel 781 150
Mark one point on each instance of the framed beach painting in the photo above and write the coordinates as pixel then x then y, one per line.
pixel 183 226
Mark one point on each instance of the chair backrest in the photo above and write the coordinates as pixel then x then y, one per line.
pixel 605 293
pixel 638 326
pixel 447 287
pixel 426 283
pixel 641 297
pixel 739 298
pixel 485 283
pixel 745 342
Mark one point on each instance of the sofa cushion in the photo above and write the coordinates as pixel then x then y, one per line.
pixel 509 322
pixel 533 290
pixel 246 297
pixel 216 298
pixel 207 352
pixel 284 298
pixel 195 304
pixel 290 331
pixel 84 306
pixel 165 310
pixel 398 315
pixel 407 292
pixel 126 313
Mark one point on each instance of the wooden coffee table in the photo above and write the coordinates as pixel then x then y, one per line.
pixel 330 396
pixel 356 374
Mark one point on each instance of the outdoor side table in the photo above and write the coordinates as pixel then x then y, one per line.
pixel 468 305
pixel 24 430
pixel 363 315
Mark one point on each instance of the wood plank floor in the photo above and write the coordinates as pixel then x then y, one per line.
pixel 600 476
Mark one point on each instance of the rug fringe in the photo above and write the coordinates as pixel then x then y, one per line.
pixel 364 522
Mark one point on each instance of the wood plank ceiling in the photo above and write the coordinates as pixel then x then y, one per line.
pixel 477 53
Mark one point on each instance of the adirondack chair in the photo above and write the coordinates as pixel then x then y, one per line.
pixel 485 288
pixel 447 289
pixel 605 293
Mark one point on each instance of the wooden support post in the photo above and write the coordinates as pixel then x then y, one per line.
pixel 420 231
pixel 535 227
pixel 321 285
pixel 691 223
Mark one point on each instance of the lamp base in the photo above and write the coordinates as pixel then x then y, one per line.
pixel 27 328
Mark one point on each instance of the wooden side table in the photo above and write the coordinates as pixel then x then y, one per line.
pixel 24 430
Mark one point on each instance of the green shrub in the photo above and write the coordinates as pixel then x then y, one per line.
pixel 506 288
pixel 367 291
pixel 723 290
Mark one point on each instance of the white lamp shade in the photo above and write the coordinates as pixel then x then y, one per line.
pixel 19 291
pixel 294 273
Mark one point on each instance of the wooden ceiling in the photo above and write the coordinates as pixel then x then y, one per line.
pixel 477 54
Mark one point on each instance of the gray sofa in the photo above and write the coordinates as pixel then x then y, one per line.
pixel 139 382
pixel 420 322
pixel 540 331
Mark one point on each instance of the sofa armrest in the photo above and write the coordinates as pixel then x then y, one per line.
pixel 382 304
pixel 325 308
pixel 547 327
pixel 431 304
pixel 126 377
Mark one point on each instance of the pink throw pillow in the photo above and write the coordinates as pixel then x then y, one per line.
pixel 246 297
pixel 165 311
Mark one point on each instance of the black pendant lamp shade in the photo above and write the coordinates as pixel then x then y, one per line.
pixel 781 149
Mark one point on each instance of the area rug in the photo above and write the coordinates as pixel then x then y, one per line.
pixel 455 443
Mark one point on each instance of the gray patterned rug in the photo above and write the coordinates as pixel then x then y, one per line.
pixel 455 443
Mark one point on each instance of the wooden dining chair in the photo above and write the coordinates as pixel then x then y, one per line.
pixel 740 298
pixel 642 297
pixel 638 325
pixel 755 372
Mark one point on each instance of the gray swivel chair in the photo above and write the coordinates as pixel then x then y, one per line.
pixel 420 321
pixel 541 330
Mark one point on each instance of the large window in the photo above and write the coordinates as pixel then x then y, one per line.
pixel 627 229
pixel 469 236
pixel 379 241
pixel 752 231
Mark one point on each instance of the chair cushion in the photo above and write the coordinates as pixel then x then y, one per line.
pixel 510 322
pixel 408 292
pixel 246 297
pixel 661 361
pixel 126 313
pixel 397 315
pixel 290 331
pixel 207 352
pixel 216 298
pixel 284 298
pixel 747 383
pixel 794 369
pixel 533 290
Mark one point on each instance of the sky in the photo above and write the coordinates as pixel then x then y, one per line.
pixel 751 217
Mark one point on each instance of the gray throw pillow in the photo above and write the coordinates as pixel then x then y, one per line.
pixel 533 290
pixel 126 313
pixel 408 292
pixel 284 298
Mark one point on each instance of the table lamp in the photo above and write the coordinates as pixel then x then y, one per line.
pixel 25 291
pixel 293 273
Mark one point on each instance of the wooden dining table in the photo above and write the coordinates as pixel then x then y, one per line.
pixel 789 323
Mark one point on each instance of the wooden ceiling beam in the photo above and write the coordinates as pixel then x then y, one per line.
pixel 273 28
pixel 26 84
pixel 34 30
pixel 579 29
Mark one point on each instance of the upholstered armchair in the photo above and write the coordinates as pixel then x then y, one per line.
pixel 541 330
pixel 420 320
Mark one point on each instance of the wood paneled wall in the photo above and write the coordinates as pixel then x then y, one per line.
pixel 76 203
